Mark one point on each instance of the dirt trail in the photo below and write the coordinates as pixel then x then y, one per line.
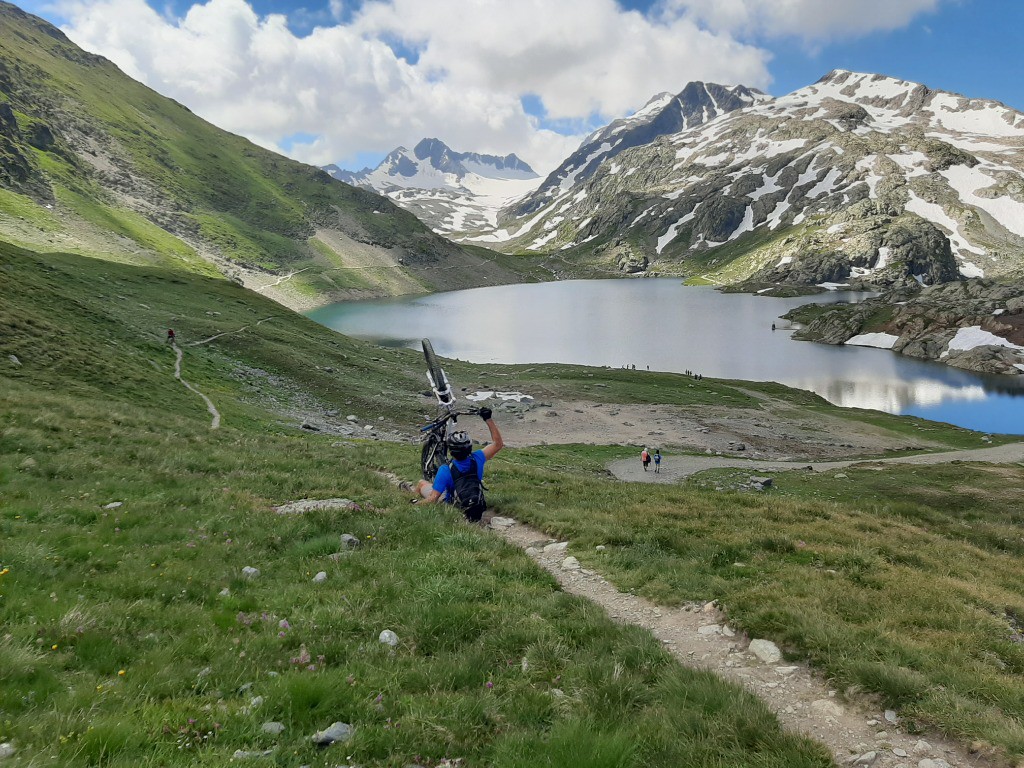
pixel 280 280
pixel 227 333
pixel 209 403
pixel 700 637
pixel 677 467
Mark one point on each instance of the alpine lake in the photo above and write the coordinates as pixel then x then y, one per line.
pixel 662 325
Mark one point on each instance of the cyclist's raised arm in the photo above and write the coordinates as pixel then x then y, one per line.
pixel 497 443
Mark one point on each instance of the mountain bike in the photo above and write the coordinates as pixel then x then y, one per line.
pixel 434 453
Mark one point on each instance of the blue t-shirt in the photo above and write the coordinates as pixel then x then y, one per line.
pixel 443 483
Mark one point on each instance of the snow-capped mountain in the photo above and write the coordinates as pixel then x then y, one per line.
pixel 856 176
pixel 664 114
pixel 450 191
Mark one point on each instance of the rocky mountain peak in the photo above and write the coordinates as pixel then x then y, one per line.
pixel 858 177
pixel 662 115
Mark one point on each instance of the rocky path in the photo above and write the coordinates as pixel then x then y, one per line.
pixel 677 467
pixel 699 637
pixel 214 413
pixel 280 280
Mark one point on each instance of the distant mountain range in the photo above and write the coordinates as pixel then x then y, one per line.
pixel 449 191
pixel 856 179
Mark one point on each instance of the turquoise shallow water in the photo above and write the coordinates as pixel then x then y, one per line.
pixel 663 325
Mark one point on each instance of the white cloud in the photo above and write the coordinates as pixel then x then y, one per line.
pixel 473 62
pixel 812 20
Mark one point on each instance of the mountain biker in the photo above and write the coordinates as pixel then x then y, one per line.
pixel 464 458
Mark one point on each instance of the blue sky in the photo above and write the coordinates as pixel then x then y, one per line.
pixel 347 81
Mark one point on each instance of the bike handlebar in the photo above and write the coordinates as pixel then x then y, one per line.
pixel 451 415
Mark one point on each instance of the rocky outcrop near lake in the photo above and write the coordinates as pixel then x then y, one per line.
pixel 977 325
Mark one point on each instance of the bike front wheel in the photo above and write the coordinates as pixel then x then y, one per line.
pixel 437 376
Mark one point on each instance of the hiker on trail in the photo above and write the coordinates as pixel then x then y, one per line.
pixel 645 457
pixel 460 482
pixel 170 336
pixel 657 461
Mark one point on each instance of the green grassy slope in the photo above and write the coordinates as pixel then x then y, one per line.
pixel 897 582
pixel 132 175
pixel 131 638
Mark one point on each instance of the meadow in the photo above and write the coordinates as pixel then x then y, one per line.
pixel 131 636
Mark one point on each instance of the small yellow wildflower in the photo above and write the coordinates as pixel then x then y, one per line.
pixel 120 673
pixel 53 647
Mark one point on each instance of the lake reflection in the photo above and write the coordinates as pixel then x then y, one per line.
pixel 661 324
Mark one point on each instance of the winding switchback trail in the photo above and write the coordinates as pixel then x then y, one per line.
pixel 227 333
pixel 209 403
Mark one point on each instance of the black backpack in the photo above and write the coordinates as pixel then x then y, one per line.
pixel 468 491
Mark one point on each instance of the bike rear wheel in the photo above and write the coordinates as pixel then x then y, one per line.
pixel 433 456
pixel 437 376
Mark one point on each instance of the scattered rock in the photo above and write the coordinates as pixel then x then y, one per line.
pixel 320 578
pixel 709 629
pixel 113 505
pixel 387 637
pixel 274 728
pixel 225 592
pixel 922 747
pixel 571 564
pixel 936 763
pixel 600 547
pixel 250 573
pixel 7 749
pixel 760 483
pixel 868 758
pixel 827 708
pixel 766 651
pixel 900 752
pixel 557 548
pixel 349 541
pixel 309 427
pixel 890 716
pixel 352 418
pixel 841 476
pixel 337 732
pixel 500 523
pixel 310 505
pixel 27 463
pixel 14 360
